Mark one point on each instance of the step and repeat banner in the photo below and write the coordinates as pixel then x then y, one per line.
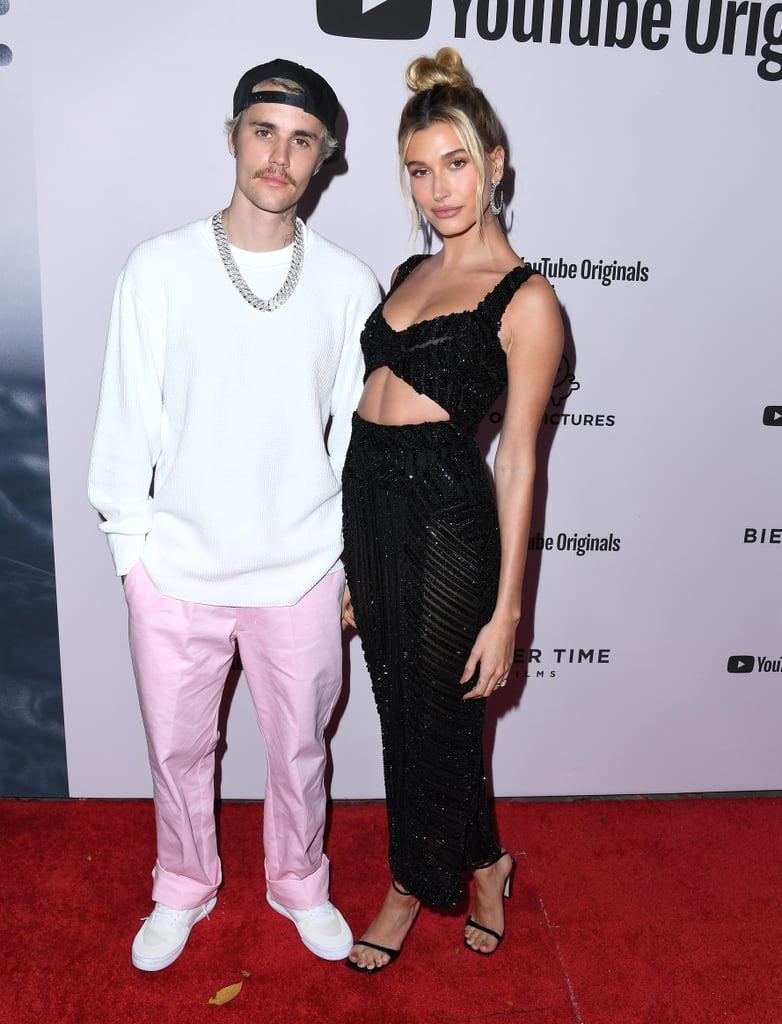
pixel 644 166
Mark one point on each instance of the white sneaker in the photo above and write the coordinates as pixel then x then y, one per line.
pixel 164 933
pixel 323 930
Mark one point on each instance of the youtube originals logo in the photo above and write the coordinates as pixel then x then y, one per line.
pixel 375 19
pixel 741 664
pixel 772 416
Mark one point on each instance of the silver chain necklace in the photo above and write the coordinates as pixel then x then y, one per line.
pixel 288 285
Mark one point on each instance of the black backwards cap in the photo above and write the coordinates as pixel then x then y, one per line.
pixel 318 98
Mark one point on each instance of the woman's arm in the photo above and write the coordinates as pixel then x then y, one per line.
pixel 532 336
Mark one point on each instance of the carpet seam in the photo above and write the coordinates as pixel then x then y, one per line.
pixel 550 929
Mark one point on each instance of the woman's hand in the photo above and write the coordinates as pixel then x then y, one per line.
pixel 493 653
pixel 348 619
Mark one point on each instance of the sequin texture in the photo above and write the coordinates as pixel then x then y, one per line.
pixel 422 554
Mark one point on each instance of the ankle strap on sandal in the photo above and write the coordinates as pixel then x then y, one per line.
pixel 399 889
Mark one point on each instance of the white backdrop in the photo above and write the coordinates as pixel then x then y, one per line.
pixel 665 160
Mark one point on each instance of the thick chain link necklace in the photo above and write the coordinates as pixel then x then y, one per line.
pixel 288 285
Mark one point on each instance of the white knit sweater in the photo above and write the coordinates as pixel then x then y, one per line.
pixel 228 405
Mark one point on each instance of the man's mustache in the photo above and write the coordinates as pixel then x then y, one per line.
pixel 275 172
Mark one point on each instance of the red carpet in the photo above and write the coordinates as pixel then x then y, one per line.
pixel 624 912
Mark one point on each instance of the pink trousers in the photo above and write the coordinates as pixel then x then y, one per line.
pixel 292 660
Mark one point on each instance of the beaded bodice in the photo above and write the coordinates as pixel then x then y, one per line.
pixel 455 359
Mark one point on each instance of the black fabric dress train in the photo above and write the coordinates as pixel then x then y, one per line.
pixel 422 556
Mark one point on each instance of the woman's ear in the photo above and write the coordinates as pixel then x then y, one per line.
pixel 497 161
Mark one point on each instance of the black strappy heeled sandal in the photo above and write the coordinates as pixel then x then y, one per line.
pixel 506 892
pixel 392 954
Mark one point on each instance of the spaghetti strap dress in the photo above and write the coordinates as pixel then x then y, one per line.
pixel 422 557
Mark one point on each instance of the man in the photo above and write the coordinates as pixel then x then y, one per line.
pixel 233 350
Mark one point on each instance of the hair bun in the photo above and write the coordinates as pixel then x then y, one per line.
pixel 445 68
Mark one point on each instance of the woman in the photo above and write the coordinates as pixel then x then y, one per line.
pixel 434 566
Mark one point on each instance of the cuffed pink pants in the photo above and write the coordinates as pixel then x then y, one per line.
pixel 292 660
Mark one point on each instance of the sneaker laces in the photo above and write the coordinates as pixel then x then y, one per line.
pixel 163 915
pixel 322 911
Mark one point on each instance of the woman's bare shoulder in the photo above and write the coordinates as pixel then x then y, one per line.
pixel 534 314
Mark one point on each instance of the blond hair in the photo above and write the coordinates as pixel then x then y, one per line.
pixel 444 93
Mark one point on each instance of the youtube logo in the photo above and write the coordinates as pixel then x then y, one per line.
pixel 375 19
pixel 772 416
pixel 739 663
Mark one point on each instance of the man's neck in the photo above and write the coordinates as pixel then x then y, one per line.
pixel 257 230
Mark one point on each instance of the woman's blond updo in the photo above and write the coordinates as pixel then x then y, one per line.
pixel 444 93
pixel 445 68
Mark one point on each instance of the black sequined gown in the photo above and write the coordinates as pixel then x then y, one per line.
pixel 422 555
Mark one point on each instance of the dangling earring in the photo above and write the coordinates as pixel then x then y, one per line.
pixel 421 219
pixel 494 206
